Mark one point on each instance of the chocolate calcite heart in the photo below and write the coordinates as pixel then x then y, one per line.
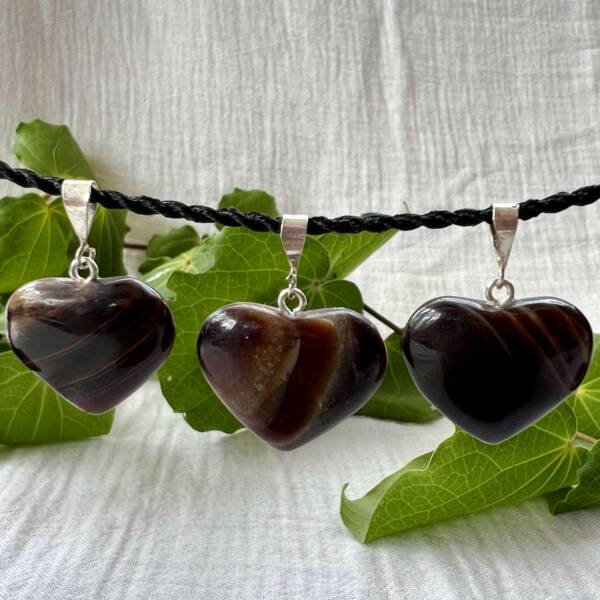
pixel 496 370
pixel 94 342
pixel 290 378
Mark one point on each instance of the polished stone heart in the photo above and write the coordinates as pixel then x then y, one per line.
pixel 495 371
pixel 290 378
pixel 94 342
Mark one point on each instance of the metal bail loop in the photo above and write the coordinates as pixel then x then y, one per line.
pixel 76 196
pixel 505 219
pixel 293 236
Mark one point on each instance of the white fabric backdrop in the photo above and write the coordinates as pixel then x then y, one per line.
pixel 335 107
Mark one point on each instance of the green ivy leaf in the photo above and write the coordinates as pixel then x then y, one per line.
pixel 174 242
pixel 346 252
pixel 313 267
pixel 107 236
pixel 35 240
pixel 349 251
pixel 398 398
pixel 163 247
pixel 238 266
pixel 31 412
pixel 586 398
pixel 250 201
pixel 335 292
pixel 157 271
pixel 52 150
pixel 463 476
pixel 210 414
pixel 195 261
pixel 586 493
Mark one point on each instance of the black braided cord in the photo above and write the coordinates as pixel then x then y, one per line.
pixel 231 217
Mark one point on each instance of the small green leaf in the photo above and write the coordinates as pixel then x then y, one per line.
pixel 349 251
pixel 195 261
pixel 212 415
pixel 150 264
pixel 586 493
pixel 35 240
pixel 398 398
pixel 107 236
pixel 249 201
pixel 52 150
pixel 464 476
pixel 586 398
pixel 313 266
pixel 335 292
pixel 173 243
pixel 31 412
pixel 169 245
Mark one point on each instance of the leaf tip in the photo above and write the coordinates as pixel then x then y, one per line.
pixel 351 517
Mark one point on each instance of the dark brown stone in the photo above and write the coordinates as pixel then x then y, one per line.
pixel 94 342
pixel 495 371
pixel 286 378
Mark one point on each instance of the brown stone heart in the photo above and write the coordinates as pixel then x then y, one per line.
pixel 493 370
pixel 94 342
pixel 290 378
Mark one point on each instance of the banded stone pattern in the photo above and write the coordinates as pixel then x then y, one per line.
pixel 492 370
pixel 290 378
pixel 94 342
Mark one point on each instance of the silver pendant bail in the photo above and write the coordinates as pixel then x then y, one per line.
pixel 76 195
pixel 293 236
pixel 505 220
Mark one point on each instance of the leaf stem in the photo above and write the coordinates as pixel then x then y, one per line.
pixel 585 437
pixel 132 246
pixel 382 319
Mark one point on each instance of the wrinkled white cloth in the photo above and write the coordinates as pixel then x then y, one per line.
pixel 334 107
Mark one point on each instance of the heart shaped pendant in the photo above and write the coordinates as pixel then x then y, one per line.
pixel 94 342
pixel 496 367
pixel 290 377
pixel 495 370
pixel 286 374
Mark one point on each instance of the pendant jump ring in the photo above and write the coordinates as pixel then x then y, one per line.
pixel 288 294
pixel 83 263
pixel 498 284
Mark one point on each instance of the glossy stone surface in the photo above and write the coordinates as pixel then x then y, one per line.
pixel 94 342
pixel 495 371
pixel 286 378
